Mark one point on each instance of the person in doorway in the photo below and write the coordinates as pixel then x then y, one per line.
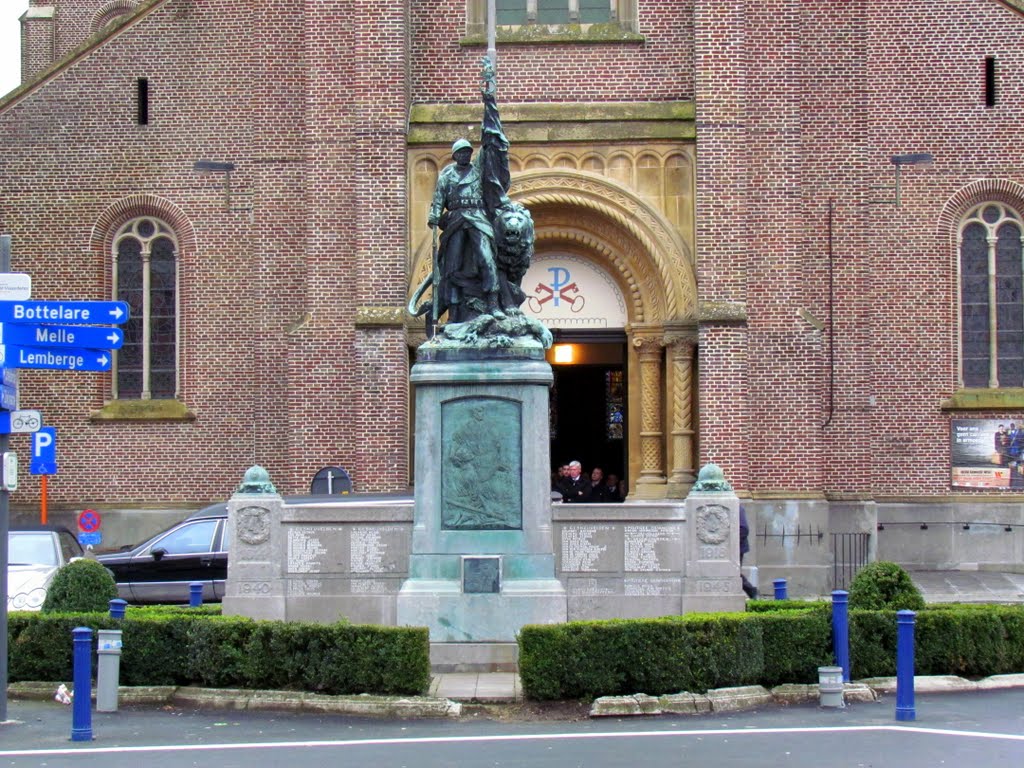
pixel 598 488
pixel 612 490
pixel 748 588
pixel 575 488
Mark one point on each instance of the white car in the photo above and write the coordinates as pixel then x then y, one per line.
pixel 33 557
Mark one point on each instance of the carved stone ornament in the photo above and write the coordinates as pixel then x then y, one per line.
pixel 253 525
pixel 713 524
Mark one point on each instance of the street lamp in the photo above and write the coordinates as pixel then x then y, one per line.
pixel 922 159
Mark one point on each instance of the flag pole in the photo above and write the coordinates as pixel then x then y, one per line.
pixel 492 49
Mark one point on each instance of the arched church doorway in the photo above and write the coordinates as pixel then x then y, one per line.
pixel 589 403
pixel 583 306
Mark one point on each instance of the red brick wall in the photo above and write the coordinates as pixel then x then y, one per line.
pixel 658 69
pixel 800 104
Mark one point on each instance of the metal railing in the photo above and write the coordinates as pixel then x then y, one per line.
pixel 850 552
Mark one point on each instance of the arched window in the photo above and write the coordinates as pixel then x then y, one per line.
pixel 146 277
pixel 511 14
pixel 991 298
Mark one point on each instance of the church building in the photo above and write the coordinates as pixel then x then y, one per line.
pixel 781 236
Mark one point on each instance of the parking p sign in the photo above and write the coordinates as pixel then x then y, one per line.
pixel 44 452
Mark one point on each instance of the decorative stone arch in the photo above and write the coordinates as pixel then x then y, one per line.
pixel 983 190
pixel 631 239
pixel 134 206
pixel 601 219
pixel 115 9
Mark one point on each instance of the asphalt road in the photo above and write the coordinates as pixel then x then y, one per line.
pixel 964 729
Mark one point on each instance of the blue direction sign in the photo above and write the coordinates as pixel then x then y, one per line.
pixel 8 398
pixel 88 337
pixel 73 312
pixel 65 359
pixel 44 452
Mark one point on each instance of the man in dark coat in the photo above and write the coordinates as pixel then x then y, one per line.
pixel 749 588
pixel 575 488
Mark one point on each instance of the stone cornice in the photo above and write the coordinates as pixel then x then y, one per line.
pixel 431 124
pixel 723 312
pixel 389 317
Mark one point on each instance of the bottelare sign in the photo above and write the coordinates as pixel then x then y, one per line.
pixel 74 312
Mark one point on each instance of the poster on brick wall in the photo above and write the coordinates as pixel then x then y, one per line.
pixel 987 453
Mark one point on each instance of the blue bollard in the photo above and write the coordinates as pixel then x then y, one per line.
pixel 905 665
pixel 117 606
pixel 780 589
pixel 841 631
pixel 81 705
pixel 195 594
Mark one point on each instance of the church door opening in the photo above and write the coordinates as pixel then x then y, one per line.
pixel 588 405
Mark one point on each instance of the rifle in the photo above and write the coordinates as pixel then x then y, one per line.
pixel 437 281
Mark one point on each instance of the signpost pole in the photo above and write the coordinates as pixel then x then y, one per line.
pixel 5 266
pixel 42 498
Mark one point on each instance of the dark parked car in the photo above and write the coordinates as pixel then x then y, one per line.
pixel 161 569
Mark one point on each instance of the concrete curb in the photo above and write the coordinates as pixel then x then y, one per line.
pixel 363 705
pixel 755 696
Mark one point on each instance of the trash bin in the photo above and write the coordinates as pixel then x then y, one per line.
pixel 108 672
pixel 830 686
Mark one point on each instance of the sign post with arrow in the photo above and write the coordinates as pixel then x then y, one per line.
pixel 60 335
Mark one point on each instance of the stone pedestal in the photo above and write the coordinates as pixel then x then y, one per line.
pixel 712 581
pixel 482 562
pixel 256 579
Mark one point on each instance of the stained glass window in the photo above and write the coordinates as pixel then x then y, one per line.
pixel 146 277
pixel 991 298
pixel 615 404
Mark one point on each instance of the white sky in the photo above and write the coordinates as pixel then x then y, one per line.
pixel 10 43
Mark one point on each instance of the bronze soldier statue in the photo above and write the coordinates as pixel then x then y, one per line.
pixel 487 240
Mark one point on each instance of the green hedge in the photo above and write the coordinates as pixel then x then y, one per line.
pixel 697 652
pixel 970 641
pixel 774 606
pixel 686 653
pixel 200 648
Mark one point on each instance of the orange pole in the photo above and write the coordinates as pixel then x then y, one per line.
pixel 42 499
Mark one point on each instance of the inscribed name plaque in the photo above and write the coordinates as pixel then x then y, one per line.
pixel 585 548
pixel 308 548
pixel 481 575
pixel 651 548
pixel 481 465
pixel 377 549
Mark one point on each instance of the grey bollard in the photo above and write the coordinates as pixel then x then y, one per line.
pixel 108 672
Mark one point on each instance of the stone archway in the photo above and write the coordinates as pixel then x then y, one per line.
pixel 603 220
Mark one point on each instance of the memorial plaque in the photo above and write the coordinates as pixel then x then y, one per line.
pixel 373 586
pixel 481 464
pixel 593 587
pixel 307 549
pixel 643 546
pixel 580 553
pixel 481 575
pixel 378 549
pixel 646 586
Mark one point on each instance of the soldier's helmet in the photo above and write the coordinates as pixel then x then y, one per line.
pixel 461 144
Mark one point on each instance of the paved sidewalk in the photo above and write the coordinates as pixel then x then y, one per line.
pixel 969 586
pixel 485 688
